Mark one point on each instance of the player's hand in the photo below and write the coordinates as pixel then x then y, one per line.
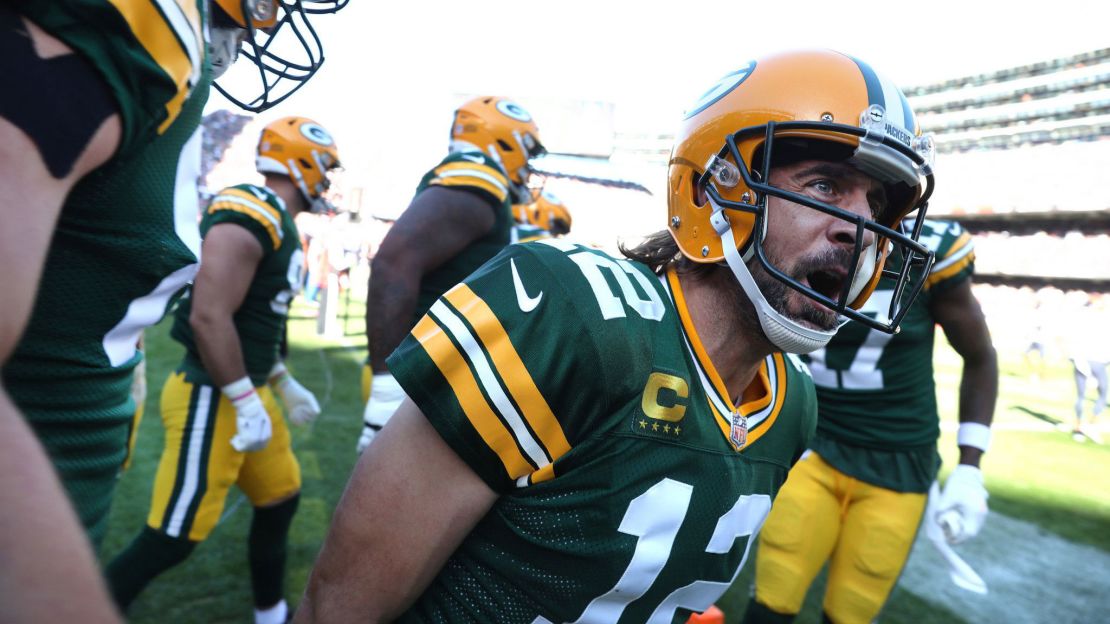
pixel 301 404
pixel 962 508
pixel 386 396
pixel 252 424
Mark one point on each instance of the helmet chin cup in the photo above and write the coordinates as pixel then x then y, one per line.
pixel 784 333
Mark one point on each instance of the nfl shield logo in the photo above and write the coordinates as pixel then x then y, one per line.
pixel 739 433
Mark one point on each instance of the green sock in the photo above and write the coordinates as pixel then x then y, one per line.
pixel 760 614
pixel 266 551
pixel 148 555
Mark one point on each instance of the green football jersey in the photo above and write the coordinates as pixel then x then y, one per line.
pixel 260 320
pixel 481 174
pixel 575 385
pixel 125 244
pixel 150 54
pixel 878 407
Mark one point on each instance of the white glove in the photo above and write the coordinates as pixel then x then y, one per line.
pixel 252 424
pixel 962 508
pixel 386 396
pixel 300 403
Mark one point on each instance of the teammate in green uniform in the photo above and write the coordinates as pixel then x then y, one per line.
pixel 545 216
pixel 100 232
pixel 856 499
pixel 460 217
pixel 594 439
pixel 222 424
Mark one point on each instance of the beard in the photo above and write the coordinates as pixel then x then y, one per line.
pixel 795 305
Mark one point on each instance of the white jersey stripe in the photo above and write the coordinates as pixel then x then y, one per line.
pixel 254 208
pixel 185 33
pixel 477 357
pixel 954 258
pixel 471 173
pixel 193 465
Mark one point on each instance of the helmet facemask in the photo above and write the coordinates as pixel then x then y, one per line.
pixel 283 56
pixel 900 168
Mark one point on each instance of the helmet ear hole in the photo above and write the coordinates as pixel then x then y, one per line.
pixel 305 163
pixel 504 145
pixel 697 192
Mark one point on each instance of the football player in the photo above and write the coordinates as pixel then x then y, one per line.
pixel 856 499
pixel 98 165
pixel 460 217
pixel 544 217
pixel 594 439
pixel 222 425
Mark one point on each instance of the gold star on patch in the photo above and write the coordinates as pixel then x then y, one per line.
pixel 655 426
pixel 677 429
pixel 666 428
pixel 643 424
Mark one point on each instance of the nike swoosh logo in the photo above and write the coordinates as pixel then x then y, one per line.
pixel 526 303
pixel 474 159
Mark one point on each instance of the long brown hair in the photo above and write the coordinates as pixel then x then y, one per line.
pixel 659 251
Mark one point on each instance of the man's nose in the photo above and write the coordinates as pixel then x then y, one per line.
pixel 844 232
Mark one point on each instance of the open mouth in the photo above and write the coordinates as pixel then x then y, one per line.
pixel 827 281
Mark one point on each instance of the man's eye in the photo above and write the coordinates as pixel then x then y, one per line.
pixel 823 186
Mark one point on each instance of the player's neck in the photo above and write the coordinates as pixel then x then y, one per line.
pixel 735 348
pixel 284 188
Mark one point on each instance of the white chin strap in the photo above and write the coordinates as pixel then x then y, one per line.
pixel 784 333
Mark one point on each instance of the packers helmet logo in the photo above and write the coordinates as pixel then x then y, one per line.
pixel 317 135
pixel 723 87
pixel 512 110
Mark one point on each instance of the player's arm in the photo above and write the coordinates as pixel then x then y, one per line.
pixel 962 507
pixel 959 315
pixel 41 158
pixel 407 507
pixel 438 224
pixel 229 257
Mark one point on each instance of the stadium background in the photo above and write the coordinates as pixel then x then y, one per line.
pixel 1022 153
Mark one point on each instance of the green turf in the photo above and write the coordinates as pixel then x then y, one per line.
pixel 1033 472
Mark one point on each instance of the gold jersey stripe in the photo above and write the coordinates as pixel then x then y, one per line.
pixel 949 270
pixel 499 193
pixel 254 199
pixel 453 366
pixel 511 369
pixel 275 236
pixel 478 169
pixel 157 36
pixel 546 473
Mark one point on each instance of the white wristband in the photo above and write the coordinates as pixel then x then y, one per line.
pixel 238 389
pixel 976 435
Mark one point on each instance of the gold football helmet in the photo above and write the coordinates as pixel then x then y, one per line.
pixel 501 128
pixel 303 150
pixel 785 108
pixel 548 212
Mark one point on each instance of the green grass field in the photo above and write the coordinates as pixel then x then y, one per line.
pixel 1034 473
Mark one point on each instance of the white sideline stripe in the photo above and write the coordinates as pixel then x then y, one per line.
pixel 192 464
pixel 489 381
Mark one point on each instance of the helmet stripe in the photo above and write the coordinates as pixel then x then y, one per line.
pixel 886 94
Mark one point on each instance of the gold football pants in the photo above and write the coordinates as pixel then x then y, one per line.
pixel 864 531
pixel 199 465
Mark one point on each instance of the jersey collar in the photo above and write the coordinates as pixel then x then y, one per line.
pixel 761 400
